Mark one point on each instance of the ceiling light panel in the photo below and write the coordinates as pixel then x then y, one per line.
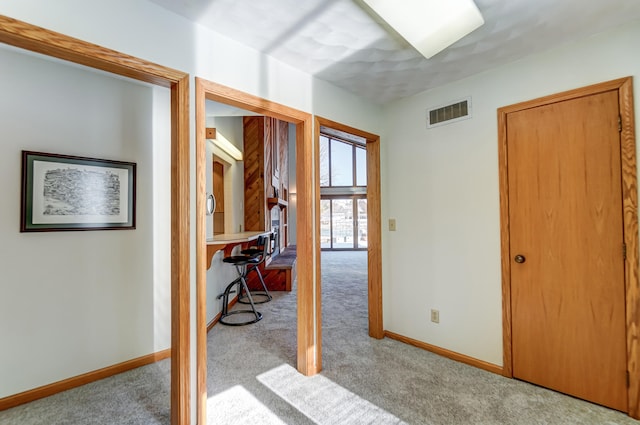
pixel 429 26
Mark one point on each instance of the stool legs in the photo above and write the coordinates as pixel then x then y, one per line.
pixel 265 293
pixel 242 284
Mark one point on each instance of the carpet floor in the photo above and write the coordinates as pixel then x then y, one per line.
pixel 252 380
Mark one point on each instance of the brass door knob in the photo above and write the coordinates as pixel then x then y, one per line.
pixel 519 259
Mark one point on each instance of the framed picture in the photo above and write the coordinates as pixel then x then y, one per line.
pixel 62 192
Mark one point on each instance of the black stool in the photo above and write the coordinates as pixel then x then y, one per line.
pixel 259 252
pixel 240 262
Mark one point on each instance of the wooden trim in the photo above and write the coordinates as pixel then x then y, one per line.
pixel 624 86
pixel 630 219
pixel 374 218
pixel 203 255
pixel 471 361
pixel 566 95
pixel 316 210
pixel 374 230
pixel 505 245
pixel 230 96
pixel 50 43
pixel 37 39
pixel 309 351
pixel 216 319
pixel 325 122
pixel 77 381
pixel 309 359
pixel 180 258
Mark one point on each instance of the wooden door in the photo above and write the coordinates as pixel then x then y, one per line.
pixel 566 223
pixel 218 193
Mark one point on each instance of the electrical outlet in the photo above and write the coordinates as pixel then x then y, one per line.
pixel 392 224
pixel 435 316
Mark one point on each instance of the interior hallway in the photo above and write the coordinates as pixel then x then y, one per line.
pixel 252 378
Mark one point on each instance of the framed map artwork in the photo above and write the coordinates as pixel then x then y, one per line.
pixel 63 192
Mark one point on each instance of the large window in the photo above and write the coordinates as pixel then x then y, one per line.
pixel 343 193
pixel 342 163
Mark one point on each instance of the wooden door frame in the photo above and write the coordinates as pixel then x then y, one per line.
pixel 624 87
pixel 36 39
pixel 309 352
pixel 374 222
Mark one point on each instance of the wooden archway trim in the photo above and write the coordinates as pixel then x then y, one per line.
pixel 624 86
pixel 308 224
pixel 36 39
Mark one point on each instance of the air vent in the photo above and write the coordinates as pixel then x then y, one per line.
pixel 449 113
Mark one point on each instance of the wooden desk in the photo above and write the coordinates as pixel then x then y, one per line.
pixel 227 241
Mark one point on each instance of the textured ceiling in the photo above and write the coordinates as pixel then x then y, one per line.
pixel 338 41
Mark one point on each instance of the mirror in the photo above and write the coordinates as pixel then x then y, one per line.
pixel 211 204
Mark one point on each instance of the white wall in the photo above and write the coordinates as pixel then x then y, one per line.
pixel 442 187
pixel 73 302
pixel 221 274
pixel 338 105
pixel 142 29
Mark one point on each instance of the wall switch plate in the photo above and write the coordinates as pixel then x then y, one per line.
pixel 435 316
pixel 392 224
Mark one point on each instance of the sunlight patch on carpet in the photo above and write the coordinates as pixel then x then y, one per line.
pixel 239 407
pixel 322 400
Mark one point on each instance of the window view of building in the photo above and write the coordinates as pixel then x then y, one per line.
pixel 343 193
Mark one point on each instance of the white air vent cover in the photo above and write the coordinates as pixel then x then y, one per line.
pixel 447 114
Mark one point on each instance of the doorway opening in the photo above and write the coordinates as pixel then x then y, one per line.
pixel 29 37
pixel 371 207
pixel 343 190
pixel 308 326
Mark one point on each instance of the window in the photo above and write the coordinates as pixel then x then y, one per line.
pixel 343 193
pixel 342 163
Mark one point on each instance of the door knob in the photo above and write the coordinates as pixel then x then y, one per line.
pixel 519 259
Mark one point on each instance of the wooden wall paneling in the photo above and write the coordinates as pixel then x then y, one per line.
pixel 265 138
pixel 254 174
pixel 270 129
pixel 26 36
pixel 283 144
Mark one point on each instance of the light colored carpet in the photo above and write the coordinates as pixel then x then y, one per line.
pixel 369 381
pixel 138 397
pixel 252 378
pixel 322 400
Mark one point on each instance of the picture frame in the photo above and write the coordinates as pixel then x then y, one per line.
pixel 67 193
